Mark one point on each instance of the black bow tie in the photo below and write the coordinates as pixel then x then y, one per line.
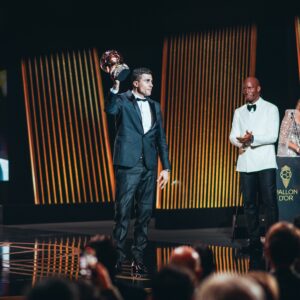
pixel 139 99
pixel 251 106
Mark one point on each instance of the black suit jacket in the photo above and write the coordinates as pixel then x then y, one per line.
pixel 131 142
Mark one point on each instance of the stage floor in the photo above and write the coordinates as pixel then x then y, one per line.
pixel 32 252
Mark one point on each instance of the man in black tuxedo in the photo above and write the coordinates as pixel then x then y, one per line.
pixel 140 137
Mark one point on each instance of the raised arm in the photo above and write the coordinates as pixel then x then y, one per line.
pixel 112 102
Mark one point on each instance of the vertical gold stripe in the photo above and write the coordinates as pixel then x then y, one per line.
pixel 226 259
pixel 175 50
pixel 101 162
pixel 30 134
pixel 185 129
pixel 158 258
pixel 212 125
pixel 183 104
pixel 164 198
pixel 203 180
pixel 78 90
pixel 168 52
pixel 60 146
pixel 232 89
pixel 45 105
pixel 173 129
pixel 195 121
pixel 190 97
pixel 105 127
pixel 47 196
pixel 77 134
pixel 220 132
pixel 93 129
pixel 163 105
pixel 39 165
pixel 51 134
pixel 70 122
pixel 199 133
pixel 176 127
pixel 205 120
pixel 57 171
pixel 68 175
pixel 86 116
pixel 227 82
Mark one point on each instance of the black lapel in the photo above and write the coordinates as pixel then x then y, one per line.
pixel 153 112
pixel 131 97
pixel 136 106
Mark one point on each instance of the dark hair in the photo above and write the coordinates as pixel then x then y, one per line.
pixel 173 282
pixel 283 243
pixel 138 72
pixel 53 288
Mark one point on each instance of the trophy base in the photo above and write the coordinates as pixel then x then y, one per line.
pixel 123 75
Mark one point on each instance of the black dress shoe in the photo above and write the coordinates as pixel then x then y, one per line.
pixel 139 268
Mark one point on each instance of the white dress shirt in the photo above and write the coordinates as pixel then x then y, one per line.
pixel 264 125
pixel 145 110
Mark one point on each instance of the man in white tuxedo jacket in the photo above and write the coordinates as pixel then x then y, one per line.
pixel 254 131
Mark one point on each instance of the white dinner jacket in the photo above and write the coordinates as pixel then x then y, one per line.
pixel 264 125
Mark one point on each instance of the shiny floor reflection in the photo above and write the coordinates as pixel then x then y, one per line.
pixel 28 256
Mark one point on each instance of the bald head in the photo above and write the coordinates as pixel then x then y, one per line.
pixel 187 257
pixel 251 89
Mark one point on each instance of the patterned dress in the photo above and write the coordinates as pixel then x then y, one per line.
pixel 289 132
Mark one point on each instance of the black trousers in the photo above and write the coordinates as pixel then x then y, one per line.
pixel 136 186
pixel 263 182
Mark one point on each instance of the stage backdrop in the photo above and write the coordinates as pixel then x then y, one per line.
pixel 70 155
pixel 202 77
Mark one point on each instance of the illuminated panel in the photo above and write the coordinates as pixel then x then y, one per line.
pixel 202 75
pixel 67 129
pixel 225 259
pixel 297 31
